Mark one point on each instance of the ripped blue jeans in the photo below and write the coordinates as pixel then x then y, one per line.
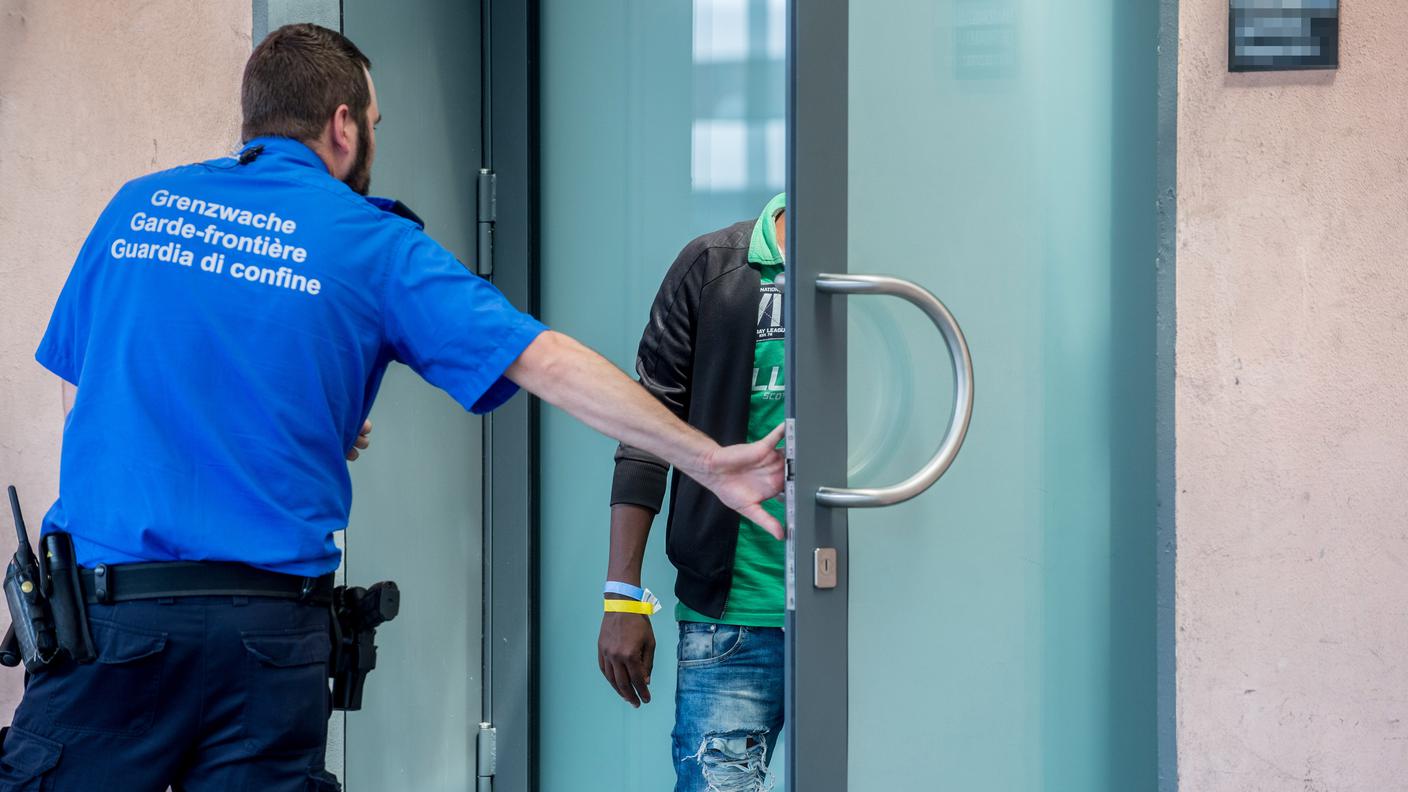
pixel 728 707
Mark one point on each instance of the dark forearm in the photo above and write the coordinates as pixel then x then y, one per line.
pixel 626 644
pixel 630 529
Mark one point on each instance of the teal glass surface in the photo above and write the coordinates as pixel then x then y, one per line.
pixel 417 511
pixel 1002 154
pixel 660 121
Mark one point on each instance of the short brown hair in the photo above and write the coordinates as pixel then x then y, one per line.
pixel 296 79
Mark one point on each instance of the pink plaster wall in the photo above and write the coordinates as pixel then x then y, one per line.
pixel 91 95
pixel 1292 402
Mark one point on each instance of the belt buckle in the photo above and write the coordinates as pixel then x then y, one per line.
pixel 306 592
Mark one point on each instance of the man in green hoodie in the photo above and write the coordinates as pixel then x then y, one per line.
pixel 713 353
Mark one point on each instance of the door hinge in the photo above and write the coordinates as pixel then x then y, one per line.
pixel 487 756
pixel 488 213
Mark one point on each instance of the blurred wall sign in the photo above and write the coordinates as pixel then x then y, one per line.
pixel 985 39
pixel 1277 35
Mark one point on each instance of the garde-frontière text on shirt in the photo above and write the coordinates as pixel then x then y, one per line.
pixel 225 243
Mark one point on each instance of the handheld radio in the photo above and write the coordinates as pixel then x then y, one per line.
pixel 29 612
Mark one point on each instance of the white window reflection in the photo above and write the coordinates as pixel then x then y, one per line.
pixel 739 135
pixel 776 133
pixel 720 155
pixel 777 29
pixel 720 30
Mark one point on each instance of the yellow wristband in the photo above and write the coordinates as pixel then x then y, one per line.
pixel 629 606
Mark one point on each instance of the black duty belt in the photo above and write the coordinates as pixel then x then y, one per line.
pixel 125 582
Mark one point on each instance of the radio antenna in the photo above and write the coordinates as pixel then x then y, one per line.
pixel 22 551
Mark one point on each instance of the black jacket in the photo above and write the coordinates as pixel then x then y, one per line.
pixel 696 356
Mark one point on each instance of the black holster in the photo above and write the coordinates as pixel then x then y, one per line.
pixel 48 615
pixel 356 613
pixel 66 600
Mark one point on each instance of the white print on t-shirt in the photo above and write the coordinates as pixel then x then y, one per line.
pixel 223 243
pixel 770 324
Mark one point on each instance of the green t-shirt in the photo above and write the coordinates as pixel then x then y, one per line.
pixel 757 597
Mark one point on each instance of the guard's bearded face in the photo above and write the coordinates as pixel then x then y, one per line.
pixel 359 178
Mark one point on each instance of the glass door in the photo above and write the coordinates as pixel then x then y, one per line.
pixel 995 632
pixel 661 121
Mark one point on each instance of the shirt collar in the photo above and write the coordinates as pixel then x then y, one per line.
pixel 397 208
pixel 300 154
pixel 286 148
pixel 763 249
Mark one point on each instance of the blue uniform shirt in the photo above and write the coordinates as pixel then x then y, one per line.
pixel 227 327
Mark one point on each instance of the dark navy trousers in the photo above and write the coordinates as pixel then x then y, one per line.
pixel 191 693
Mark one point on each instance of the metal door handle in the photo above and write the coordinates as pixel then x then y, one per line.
pixel 938 313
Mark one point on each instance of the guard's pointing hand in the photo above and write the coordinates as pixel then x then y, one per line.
pixel 745 475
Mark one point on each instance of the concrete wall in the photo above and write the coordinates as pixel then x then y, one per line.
pixel 91 94
pixel 1292 402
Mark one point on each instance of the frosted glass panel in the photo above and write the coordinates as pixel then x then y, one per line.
pixel 660 121
pixel 1002 155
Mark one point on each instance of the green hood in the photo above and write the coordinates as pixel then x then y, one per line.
pixel 763 247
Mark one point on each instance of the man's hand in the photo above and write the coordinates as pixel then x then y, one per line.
pixel 745 475
pixel 364 439
pixel 626 653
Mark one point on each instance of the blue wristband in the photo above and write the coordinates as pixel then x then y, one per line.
pixel 624 589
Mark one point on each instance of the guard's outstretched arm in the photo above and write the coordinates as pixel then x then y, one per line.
pixel 570 376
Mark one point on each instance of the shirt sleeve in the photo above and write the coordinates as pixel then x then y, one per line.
pixel 453 327
pixel 65 341
pixel 665 364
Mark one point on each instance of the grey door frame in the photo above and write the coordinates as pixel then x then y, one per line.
pixel 817 619
pixel 1165 439
pixel 510 696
